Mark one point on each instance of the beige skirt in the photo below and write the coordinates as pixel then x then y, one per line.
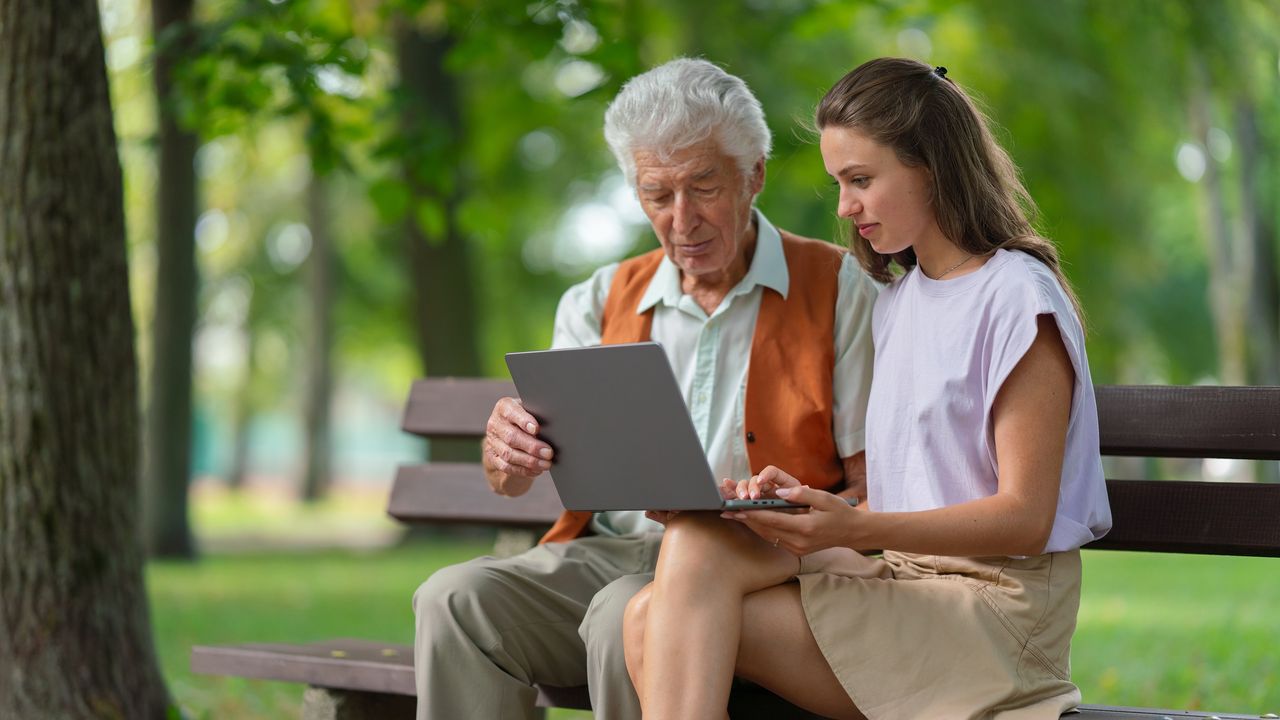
pixel 924 636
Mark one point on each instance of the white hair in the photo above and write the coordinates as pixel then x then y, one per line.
pixel 682 103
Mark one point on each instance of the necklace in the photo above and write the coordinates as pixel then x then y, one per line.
pixel 946 272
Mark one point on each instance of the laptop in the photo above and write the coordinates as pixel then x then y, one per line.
pixel 621 431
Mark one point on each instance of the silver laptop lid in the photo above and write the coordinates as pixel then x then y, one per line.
pixel 621 432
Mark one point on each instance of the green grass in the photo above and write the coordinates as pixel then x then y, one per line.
pixel 1180 632
pixel 348 516
pixel 1155 630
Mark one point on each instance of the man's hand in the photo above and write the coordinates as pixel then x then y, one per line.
pixel 661 516
pixel 729 490
pixel 511 453
pixel 753 488
pixel 855 478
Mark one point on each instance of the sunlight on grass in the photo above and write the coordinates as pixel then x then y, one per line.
pixel 270 516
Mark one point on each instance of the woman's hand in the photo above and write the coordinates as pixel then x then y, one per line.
pixel 829 522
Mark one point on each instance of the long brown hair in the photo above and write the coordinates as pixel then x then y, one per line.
pixel 978 199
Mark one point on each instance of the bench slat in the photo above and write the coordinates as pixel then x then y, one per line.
pixel 1138 420
pixel 453 407
pixel 343 664
pixel 1193 517
pixel 362 665
pixel 347 664
pixel 1149 515
pixel 1107 712
pixel 1198 422
pixel 458 492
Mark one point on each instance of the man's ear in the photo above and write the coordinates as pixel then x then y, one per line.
pixel 757 178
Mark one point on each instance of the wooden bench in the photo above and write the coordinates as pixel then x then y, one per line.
pixel 352 679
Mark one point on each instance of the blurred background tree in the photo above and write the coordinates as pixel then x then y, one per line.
pixel 167 450
pixel 404 187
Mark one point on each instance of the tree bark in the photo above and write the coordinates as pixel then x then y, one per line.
pixel 168 438
pixel 75 640
pixel 444 312
pixel 320 277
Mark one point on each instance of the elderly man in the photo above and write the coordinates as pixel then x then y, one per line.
pixel 769 337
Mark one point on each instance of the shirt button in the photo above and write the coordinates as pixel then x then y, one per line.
pixel 751 437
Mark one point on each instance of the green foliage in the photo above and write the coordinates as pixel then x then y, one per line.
pixel 430 216
pixel 1091 98
pixel 258 60
pixel 391 198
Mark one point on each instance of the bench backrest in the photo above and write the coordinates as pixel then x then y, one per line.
pixel 1145 421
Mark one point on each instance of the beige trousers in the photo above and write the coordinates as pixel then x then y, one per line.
pixel 489 629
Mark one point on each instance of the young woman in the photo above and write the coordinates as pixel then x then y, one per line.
pixel 983 470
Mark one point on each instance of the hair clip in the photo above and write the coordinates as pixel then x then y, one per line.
pixel 940 72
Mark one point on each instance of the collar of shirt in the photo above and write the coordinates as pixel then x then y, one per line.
pixel 768 268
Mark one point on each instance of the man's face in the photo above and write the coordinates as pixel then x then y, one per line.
pixel 699 204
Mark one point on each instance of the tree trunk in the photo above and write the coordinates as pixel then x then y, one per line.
pixel 1263 311
pixel 242 414
pixel 316 472
pixel 168 438
pixel 75 640
pixel 1260 235
pixel 444 313
pixel 1222 253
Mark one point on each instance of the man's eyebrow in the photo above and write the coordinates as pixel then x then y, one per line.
pixel 703 175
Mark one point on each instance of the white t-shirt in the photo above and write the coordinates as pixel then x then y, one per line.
pixel 943 349
pixel 710 354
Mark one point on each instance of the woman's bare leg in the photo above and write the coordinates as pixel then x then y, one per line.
pixel 691 632
pixel 778 651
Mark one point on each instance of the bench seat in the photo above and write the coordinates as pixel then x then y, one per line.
pixel 358 679
pixel 387 668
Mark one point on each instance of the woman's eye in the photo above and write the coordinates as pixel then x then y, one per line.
pixel 860 181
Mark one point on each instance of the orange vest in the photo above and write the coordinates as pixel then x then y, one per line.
pixel 788 403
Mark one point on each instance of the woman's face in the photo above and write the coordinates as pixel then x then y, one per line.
pixel 887 200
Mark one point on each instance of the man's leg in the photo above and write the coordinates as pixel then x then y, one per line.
pixel 612 695
pixel 488 629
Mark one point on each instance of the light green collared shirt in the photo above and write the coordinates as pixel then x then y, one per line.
pixel 709 354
